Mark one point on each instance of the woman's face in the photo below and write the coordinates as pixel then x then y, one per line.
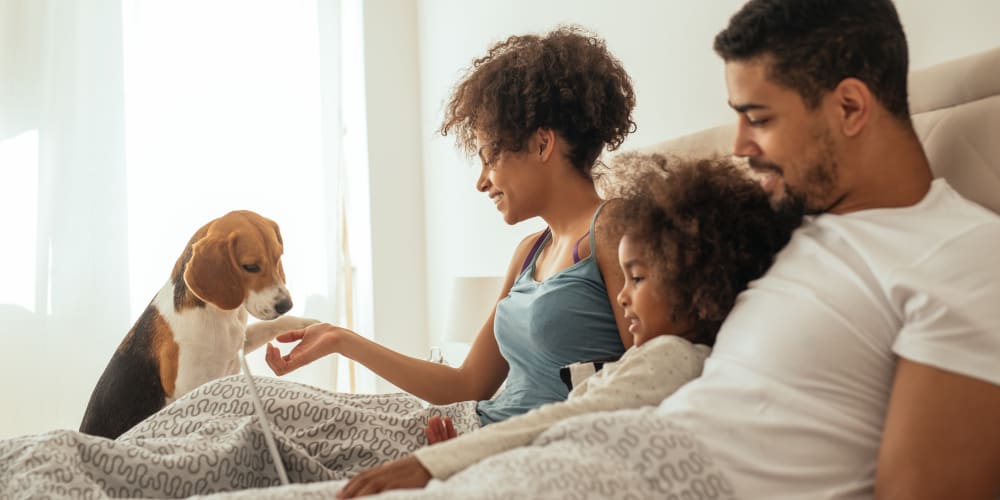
pixel 647 309
pixel 511 180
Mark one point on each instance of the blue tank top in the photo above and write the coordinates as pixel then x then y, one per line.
pixel 543 326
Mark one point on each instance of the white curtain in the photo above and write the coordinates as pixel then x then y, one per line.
pixel 124 126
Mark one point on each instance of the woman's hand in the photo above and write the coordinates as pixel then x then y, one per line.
pixel 439 429
pixel 406 472
pixel 315 341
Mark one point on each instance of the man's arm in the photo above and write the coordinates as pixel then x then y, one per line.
pixel 941 436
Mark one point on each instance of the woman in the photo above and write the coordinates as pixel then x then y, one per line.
pixel 537 110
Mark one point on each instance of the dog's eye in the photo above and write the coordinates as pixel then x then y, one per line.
pixel 251 268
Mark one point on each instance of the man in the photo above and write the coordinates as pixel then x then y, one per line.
pixel 866 362
pixel 869 355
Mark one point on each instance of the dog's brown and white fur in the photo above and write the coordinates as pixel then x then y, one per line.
pixel 192 330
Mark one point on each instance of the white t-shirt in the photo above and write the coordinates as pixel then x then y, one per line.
pixel 792 400
pixel 642 377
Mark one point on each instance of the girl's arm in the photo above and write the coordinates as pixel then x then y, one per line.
pixel 479 377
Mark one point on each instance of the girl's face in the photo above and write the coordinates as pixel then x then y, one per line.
pixel 647 309
pixel 511 180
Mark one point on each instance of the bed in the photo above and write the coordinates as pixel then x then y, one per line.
pixel 956 112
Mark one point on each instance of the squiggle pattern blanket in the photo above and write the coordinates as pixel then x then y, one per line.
pixel 210 441
pixel 629 454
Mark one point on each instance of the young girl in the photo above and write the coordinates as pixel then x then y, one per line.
pixel 695 232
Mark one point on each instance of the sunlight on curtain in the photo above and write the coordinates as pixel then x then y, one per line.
pixel 125 125
pixel 19 203
pixel 223 112
pixel 61 96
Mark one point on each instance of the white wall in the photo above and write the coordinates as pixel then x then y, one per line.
pixel 392 99
pixel 665 46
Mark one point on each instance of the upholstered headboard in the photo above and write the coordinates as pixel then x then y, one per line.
pixel 956 112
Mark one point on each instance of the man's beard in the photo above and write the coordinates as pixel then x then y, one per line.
pixel 793 204
pixel 820 180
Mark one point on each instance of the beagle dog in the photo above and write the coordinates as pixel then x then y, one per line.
pixel 193 330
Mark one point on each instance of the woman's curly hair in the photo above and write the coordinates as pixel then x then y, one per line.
pixel 565 80
pixel 704 228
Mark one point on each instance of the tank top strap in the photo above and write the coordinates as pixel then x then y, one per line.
pixel 533 254
pixel 593 223
pixel 534 249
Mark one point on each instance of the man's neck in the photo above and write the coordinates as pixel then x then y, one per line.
pixel 891 171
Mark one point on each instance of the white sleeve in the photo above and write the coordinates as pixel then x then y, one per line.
pixel 644 376
pixel 952 314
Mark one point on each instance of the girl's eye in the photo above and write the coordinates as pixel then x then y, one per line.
pixel 637 279
pixel 251 268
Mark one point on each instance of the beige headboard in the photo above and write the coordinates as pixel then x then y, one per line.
pixel 956 112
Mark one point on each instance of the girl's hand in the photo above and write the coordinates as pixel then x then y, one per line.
pixel 439 429
pixel 406 472
pixel 315 341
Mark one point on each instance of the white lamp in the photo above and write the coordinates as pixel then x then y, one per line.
pixel 469 306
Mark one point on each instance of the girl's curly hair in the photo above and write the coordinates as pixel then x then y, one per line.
pixel 565 80
pixel 705 229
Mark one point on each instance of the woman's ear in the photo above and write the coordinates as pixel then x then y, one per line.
pixel 546 143
pixel 213 273
pixel 854 103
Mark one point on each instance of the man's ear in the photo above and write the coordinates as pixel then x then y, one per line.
pixel 854 103
pixel 546 142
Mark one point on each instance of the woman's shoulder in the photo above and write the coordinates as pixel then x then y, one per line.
pixel 526 244
pixel 530 239
pixel 607 225
pixel 521 253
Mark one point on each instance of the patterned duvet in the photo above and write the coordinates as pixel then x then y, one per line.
pixel 209 443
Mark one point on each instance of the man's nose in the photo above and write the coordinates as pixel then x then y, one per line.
pixel 744 146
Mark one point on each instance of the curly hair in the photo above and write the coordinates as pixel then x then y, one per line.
pixel 705 228
pixel 815 44
pixel 565 80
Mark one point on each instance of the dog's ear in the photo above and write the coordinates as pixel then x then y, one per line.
pixel 213 273
pixel 281 247
pixel 277 232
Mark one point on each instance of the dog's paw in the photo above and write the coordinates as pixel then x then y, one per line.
pixel 262 332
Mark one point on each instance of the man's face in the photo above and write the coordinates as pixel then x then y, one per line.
pixel 790 146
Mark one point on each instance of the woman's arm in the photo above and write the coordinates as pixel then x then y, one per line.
pixel 479 377
pixel 607 260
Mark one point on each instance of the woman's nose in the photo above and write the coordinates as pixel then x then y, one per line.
pixel 483 182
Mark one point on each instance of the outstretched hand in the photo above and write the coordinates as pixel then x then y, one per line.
pixel 439 429
pixel 315 341
pixel 406 472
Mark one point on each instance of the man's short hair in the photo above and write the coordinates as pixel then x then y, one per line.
pixel 813 45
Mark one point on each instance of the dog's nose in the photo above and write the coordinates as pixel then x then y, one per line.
pixel 283 306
